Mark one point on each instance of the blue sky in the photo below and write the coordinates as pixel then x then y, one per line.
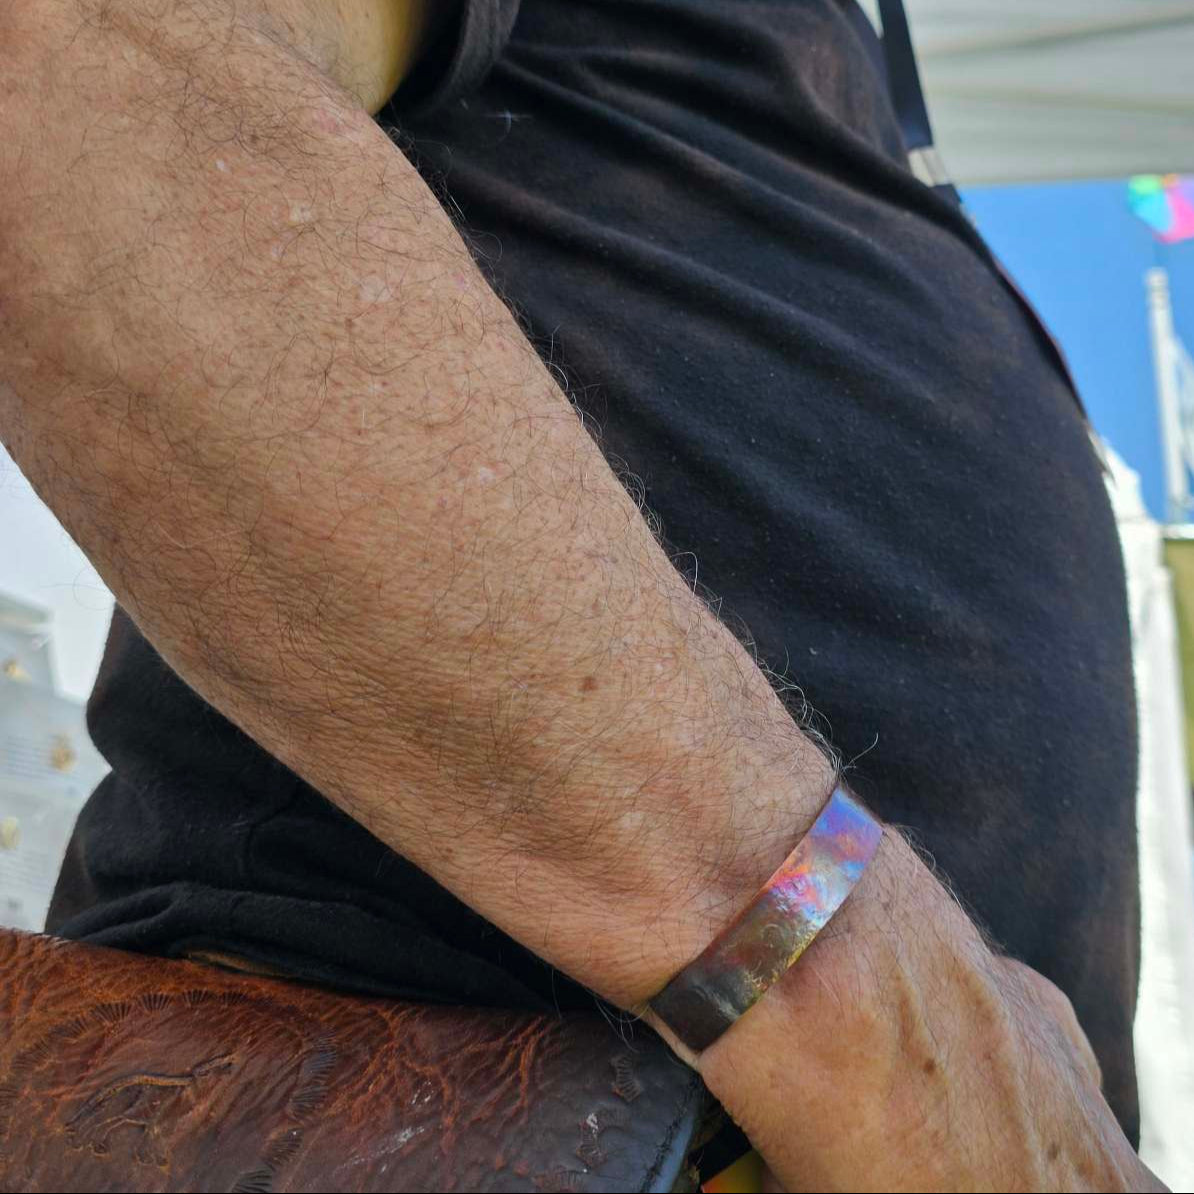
pixel 1080 255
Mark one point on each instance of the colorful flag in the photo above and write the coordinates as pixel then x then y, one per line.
pixel 1165 202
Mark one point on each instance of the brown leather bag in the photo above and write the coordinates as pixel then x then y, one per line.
pixel 123 1072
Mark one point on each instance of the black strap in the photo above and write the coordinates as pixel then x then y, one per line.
pixel 908 99
pixel 903 77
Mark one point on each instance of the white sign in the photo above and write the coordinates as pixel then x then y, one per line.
pixel 48 768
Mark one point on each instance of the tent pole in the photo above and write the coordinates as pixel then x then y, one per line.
pixel 1160 320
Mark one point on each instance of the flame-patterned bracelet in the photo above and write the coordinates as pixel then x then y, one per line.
pixel 759 944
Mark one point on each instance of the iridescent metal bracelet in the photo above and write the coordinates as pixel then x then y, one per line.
pixel 759 945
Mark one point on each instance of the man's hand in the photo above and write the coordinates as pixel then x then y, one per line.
pixel 252 368
pixel 916 1059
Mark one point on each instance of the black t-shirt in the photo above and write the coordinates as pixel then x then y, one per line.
pixel 702 212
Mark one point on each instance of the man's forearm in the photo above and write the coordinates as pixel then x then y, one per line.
pixel 253 369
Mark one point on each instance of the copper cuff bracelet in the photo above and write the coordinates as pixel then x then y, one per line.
pixel 759 945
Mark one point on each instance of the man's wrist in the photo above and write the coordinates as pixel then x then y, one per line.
pixel 865 1016
pixel 897 937
pixel 769 935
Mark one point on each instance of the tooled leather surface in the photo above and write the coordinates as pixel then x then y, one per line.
pixel 121 1072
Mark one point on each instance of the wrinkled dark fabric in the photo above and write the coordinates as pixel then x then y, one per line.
pixel 702 212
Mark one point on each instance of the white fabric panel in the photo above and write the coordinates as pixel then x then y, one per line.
pixel 1022 91
pixel 1165 1013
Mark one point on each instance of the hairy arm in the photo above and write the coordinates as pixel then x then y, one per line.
pixel 251 366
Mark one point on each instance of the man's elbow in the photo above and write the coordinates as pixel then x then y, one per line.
pixel 380 41
pixel 367 47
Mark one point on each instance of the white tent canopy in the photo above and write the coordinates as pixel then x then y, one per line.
pixel 1023 91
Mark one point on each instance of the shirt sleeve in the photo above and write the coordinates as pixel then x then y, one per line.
pixel 460 58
